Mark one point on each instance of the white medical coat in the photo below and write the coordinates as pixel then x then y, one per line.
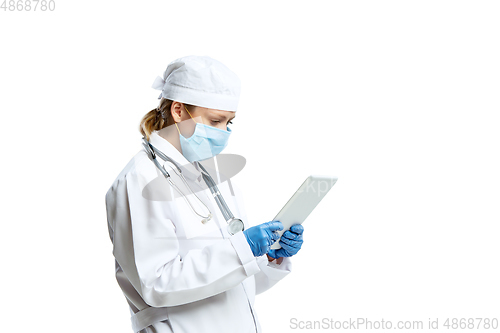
pixel 177 274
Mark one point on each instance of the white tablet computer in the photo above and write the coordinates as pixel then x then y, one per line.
pixel 303 202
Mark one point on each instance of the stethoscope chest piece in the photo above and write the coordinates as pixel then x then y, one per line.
pixel 234 226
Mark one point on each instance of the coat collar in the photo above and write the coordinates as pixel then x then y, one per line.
pixel 189 170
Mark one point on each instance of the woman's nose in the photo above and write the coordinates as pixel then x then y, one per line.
pixel 222 127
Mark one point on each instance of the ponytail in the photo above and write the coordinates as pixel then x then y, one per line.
pixel 156 119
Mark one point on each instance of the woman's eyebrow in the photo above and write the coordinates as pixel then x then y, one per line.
pixel 223 116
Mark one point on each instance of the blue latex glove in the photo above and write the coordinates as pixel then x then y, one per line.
pixel 262 236
pixel 290 242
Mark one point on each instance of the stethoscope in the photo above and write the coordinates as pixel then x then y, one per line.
pixel 234 225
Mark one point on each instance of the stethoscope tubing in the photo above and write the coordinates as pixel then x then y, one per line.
pixel 226 212
pixel 215 192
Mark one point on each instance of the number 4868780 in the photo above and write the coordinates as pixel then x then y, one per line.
pixel 28 5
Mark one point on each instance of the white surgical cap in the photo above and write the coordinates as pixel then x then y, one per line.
pixel 200 81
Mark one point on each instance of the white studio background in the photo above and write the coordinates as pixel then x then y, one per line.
pixel 399 99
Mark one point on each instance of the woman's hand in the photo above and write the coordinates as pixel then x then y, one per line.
pixel 278 261
pixel 291 242
pixel 262 236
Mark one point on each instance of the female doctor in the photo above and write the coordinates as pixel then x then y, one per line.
pixel 179 266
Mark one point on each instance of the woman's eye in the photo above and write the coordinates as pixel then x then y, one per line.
pixel 218 121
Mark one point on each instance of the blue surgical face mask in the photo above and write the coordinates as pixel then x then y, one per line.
pixel 206 142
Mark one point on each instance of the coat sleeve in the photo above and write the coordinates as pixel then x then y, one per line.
pixel 147 248
pixel 269 273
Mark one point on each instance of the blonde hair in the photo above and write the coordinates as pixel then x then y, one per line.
pixel 157 119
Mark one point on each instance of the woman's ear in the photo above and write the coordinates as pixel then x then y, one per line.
pixel 176 111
